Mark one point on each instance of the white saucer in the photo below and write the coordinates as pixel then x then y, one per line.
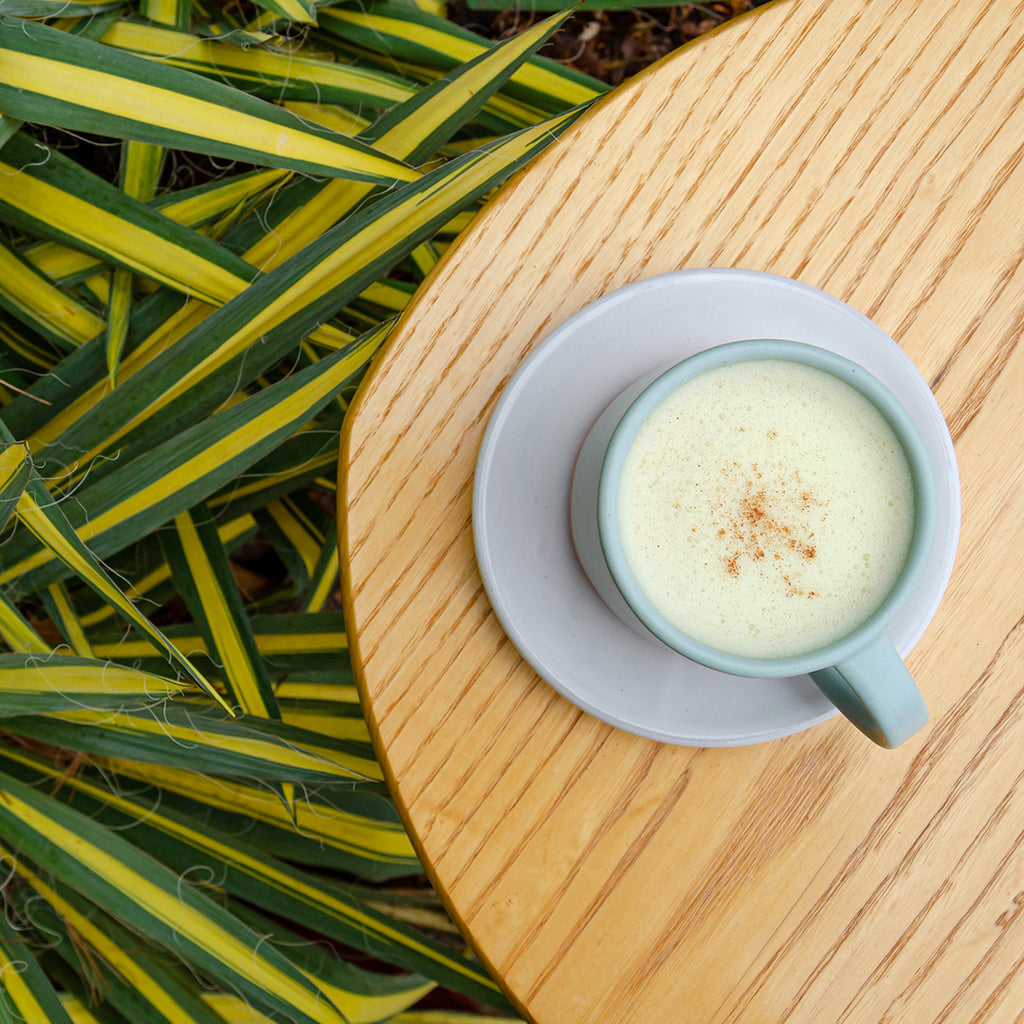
pixel 537 588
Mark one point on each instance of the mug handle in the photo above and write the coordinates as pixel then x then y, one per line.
pixel 874 690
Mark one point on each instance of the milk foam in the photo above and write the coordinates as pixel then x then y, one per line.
pixel 766 508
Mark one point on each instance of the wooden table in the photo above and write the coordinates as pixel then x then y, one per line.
pixel 873 149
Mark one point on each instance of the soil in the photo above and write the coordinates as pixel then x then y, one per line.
pixel 609 45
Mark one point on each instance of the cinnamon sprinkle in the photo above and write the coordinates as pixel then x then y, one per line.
pixel 768 523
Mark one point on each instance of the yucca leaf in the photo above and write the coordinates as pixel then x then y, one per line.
pixel 231 1009
pixel 79 1001
pixel 351 827
pixel 307 544
pixel 26 993
pixel 34 684
pixel 296 539
pixel 118 311
pixel 324 577
pixel 176 13
pixel 138 890
pixel 50 196
pixel 38 302
pixel 440 112
pixel 8 126
pixel 334 718
pixel 197 737
pixel 140 172
pixel 290 300
pixel 348 826
pixel 137 498
pixel 296 463
pixel 17 631
pixel 424 258
pixel 52 77
pixel 136 983
pixel 23 348
pixel 15 473
pixel 55 8
pixel 261 71
pixel 59 606
pixel 140 169
pixel 153 584
pixel 277 636
pixel 363 997
pixel 205 202
pixel 293 10
pixel 52 393
pixel 330 115
pixel 341 912
pixel 411 131
pixel 91 27
pixel 402 32
pixel 202 574
pixel 445 106
pixel 94 415
pixel 46 525
pixel 190 207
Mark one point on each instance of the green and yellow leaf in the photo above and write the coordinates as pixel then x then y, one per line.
pixel 47 526
pixel 55 78
pixel 203 577
pixel 37 684
pixel 26 993
pixel 261 70
pixel 402 32
pixel 38 302
pixel 104 867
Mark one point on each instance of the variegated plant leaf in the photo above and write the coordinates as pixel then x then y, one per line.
pixel 186 734
pixel 260 70
pixel 15 473
pixel 290 300
pixel 56 78
pixel 278 637
pixel 141 495
pixel 46 526
pixel 403 32
pixel 202 574
pixel 190 207
pixel 60 607
pixel 50 196
pixel 26 992
pixel 135 888
pixel 343 912
pixel 134 981
pixel 17 631
pixel 55 8
pixel 412 131
pixel 34 684
pixel 37 301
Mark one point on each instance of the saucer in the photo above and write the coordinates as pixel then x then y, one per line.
pixel 536 586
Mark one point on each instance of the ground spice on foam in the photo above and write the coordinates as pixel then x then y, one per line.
pixel 758 527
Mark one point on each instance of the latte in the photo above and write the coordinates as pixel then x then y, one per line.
pixel 766 508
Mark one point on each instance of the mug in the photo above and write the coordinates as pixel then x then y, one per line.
pixel 860 671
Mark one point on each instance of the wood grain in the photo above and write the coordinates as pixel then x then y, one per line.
pixel 872 149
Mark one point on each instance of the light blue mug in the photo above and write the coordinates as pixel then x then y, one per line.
pixel 860 673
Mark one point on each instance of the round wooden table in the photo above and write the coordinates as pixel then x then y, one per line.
pixel 871 149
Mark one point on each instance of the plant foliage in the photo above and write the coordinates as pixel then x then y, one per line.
pixel 210 217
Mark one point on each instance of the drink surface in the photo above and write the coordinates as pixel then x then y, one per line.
pixel 766 508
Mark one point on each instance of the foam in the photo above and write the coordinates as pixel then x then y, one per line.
pixel 766 508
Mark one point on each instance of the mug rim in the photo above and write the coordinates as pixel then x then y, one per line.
pixel 742 351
